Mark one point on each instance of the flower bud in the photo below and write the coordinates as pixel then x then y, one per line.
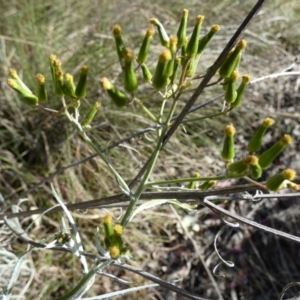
pixel 203 42
pixel 255 169
pixel 192 46
pixel 26 96
pixel 207 185
pixel 108 229
pixel 266 158
pixel 130 80
pixel 163 36
pixel 231 93
pixel 192 67
pixel 255 142
pixel 55 68
pixel 114 252
pixel 14 75
pixel 238 167
pixel 161 75
pixel 231 62
pixel 117 33
pixel 80 90
pixel 42 92
pixel 90 115
pixel 228 151
pixel 146 73
pixel 193 182
pixel 144 50
pixel 240 91
pixel 118 97
pixel 181 33
pixel 68 86
pixel 281 180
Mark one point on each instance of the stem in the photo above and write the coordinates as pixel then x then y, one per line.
pixel 146 110
pixel 190 179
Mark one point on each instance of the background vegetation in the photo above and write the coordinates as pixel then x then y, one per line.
pixel 33 145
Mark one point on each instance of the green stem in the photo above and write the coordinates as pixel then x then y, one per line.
pixel 144 180
pixel 190 179
pixel 146 110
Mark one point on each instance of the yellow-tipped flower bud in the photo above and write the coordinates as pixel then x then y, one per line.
pixel 130 80
pixel 255 142
pixel 231 93
pixel 254 167
pixel 118 230
pixel 146 73
pixel 116 239
pixel 27 97
pixel 80 90
pixel 266 158
pixel 232 60
pixel 42 92
pixel 108 229
pixel 192 182
pixel 118 97
pixel 90 115
pixel 240 91
pixel 144 50
pixel 173 44
pixel 114 252
pixel 55 68
pixel 161 76
pixel 228 151
pixel 281 180
pixel 68 86
pixel 207 185
pixel 192 46
pixel 203 42
pixel 181 33
pixel 13 74
pixel 163 36
pixel 117 33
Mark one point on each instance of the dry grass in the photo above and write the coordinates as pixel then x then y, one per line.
pixel 35 145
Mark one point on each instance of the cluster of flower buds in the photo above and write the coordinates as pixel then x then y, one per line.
pixel 254 165
pixel 230 75
pixel 63 86
pixel 113 238
pixel 179 54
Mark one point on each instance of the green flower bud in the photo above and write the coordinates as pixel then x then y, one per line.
pixel 231 93
pixel 118 97
pixel 266 158
pixel 207 185
pixel 68 86
pixel 55 67
pixel 254 167
pixel 161 75
pixel 255 142
pixel 116 239
pixel 27 97
pixel 90 115
pixel 203 42
pixel 192 182
pixel 130 80
pixel 192 46
pixel 146 73
pixel 80 90
pixel 117 33
pixel 192 67
pixel 231 62
pixel 281 180
pixel 144 50
pixel 181 33
pixel 42 92
pixel 228 151
pixel 14 75
pixel 173 45
pixel 108 229
pixel 177 62
pixel 240 91
pixel 163 36
pixel 183 53
pixel 238 167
